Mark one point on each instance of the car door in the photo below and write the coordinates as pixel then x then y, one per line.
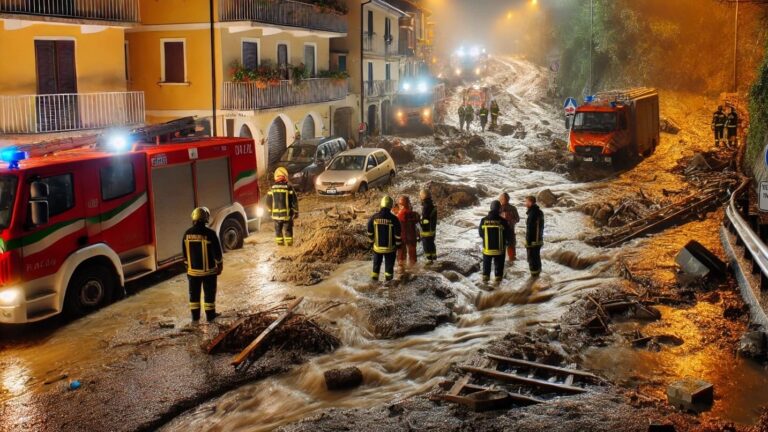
pixel 383 165
pixel 371 170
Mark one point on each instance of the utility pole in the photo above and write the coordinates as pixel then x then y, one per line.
pixel 591 41
pixel 736 48
pixel 214 130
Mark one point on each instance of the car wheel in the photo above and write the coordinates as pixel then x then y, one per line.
pixel 232 234
pixel 89 289
pixel 363 188
pixel 391 179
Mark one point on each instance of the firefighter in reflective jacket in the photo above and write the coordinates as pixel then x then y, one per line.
pixel 428 225
pixel 384 233
pixel 283 206
pixel 496 234
pixel 534 235
pixel 483 117
pixel 731 126
pixel 461 117
pixel 202 257
pixel 718 124
pixel 494 114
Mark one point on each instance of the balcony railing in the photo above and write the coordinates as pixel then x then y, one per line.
pixel 374 44
pixel 99 10
pixel 379 88
pixel 69 112
pixel 246 96
pixel 283 13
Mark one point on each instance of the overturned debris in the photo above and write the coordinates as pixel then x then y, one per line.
pixel 605 309
pixel 691 395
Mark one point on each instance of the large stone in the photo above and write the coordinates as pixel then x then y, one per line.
pixel 507 129
pixel 669 126
pixel 752 344
pixel 691 395
pixel 343 379
pixel 546 198
pixel 402 154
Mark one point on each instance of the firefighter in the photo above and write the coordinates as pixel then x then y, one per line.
pixel 494 114
pixel 534 235
pixel 483 117
pixel 283 206
pixel 496 233
pixel 409 231
pixel 428 225
pixel 461 117
pixel 203 259
pixel 384 234
pixel 718 124
pixel 731 126
pixel 509 213
pixel 469 115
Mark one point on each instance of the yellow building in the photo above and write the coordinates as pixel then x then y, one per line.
pixel 63 67
pixel 252 84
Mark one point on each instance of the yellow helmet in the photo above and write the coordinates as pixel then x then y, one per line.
pixel 281 172
pixel 387 202
pixel 201 214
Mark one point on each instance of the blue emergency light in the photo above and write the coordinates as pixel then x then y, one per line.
pixel 12 157
pixel 588 99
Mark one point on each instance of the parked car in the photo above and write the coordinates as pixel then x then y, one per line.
pixel 307 159
pixel 355 171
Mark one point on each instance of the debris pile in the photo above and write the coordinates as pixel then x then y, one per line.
pixel 401 153
pixel 667 125
pixel 601 312
pixel 459 149
pixel 629 209
pixel 552 158
pixel 449 196
pixel 331 243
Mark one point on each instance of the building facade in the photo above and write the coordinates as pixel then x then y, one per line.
pixel 65 68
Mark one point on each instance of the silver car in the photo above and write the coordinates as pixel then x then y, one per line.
pixel 355 171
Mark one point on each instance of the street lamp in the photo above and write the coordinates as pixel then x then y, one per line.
pixel 735 48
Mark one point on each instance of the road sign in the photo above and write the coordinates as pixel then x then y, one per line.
pixel 763 192
pixel 765 154
pixel 570 106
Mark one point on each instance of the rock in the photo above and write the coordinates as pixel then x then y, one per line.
pixel 343 379
pixel 697 163
pixel 462 199
pixel 476 141
pixel 458 261
pixel 402 154
pixel 603 214
pixel 546 198
pixel 446 130
pixel 660 426
pixel 669 126
pixel 752 344
pixel 506 129
pixel 690 394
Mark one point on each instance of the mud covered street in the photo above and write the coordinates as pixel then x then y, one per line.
pixel 143 367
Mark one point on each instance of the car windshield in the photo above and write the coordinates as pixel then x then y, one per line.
pixel 7 197
pixel 347 163
pixel 595 121
pixel 299 153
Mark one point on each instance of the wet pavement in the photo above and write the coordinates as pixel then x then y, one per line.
pixel 142 366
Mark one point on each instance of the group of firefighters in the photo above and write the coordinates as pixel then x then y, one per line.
pixel 725 126
pixel 467 115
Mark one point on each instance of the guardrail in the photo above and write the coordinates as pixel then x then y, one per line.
pixel 282 12
pixel 755 248
pixel 100 10
pixel 246 96
pixel 27 114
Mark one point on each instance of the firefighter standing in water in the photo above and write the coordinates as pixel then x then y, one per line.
pixel 509 213
pixel 428 226
pixel 469 115
pixel 494 114
pixel 461 117
pixel 496 233
pixel 384 233
pixel 283 206
pixel 203 259
pixel 718 124
pixel 409 231
pixel 534 235
pixel 483 117
pixel 731 126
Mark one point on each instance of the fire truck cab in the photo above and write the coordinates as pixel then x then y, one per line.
pixel 76 225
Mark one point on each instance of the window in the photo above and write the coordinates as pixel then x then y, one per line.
pixel 388 72
pixel 342 63
pixel 282 59
pixel 310 51
pixel 323 153
pixel 381 157
pixel 127 63
pixel 388 30
pixel 117 180
pixel 370 23
pixel 61 193
pixel 173 61
pixel 251 59
pixel 371 163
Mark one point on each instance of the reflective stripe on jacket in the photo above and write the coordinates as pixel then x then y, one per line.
pixel 534 233
pixel 202 251
pixel 282 202
pixel 384 232
pixel 428 218
pixel 496 234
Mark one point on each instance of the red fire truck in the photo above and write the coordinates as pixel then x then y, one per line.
pixel 77 224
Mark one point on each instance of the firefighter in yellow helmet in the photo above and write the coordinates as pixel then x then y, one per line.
pixel 384 233
pixel 283 206
pixel 203 259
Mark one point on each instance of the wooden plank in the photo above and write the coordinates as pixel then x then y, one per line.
pixel 261 338
pixel 523 380
pixel 217 340
pixel 555 369
pixel 489 404
pixel 459 385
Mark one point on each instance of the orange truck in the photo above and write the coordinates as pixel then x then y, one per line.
pixel 616 124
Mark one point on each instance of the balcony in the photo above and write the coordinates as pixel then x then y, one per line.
pixel 286 13
pixel 29 114
pixel 113 11
pixel 247 96
pixel 379 88
pixel 375 45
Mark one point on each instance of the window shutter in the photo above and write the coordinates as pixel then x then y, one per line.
pixel 65 66
pixel 45 56
pixel 174 62
pixel 250 55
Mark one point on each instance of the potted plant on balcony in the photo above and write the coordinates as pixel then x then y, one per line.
pixel 338 77
pixel 299 73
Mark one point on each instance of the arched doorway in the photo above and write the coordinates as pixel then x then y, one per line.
pixel 372 123
pixel 245 132
pixel 386 117
pixel 342 122
pixel 308 127
pixel 276 141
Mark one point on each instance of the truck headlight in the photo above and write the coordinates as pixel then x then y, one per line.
pixel 426 113
pixel 477 71
pixel 259 211
pixel 351 182
pixel 399 114
pixel 458 72
pixel 10 297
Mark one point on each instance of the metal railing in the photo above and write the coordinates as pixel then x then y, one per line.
pixel 379 88
pixel 69 112
pixel 282 12
pixel 245 96
pixel 100 10
pixel 374 44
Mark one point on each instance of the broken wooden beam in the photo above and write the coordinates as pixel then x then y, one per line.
pixel 221 336
pixel 553 369
pixel 264 335
pixel 503 376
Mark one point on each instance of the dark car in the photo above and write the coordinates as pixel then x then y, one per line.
pixel 308 159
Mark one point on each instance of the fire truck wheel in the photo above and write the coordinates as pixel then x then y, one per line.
pixel 232 234
pixel 89 289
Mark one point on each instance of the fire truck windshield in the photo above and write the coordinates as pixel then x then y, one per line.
pixel 595 121
pixel 413 100
pixel 7 197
